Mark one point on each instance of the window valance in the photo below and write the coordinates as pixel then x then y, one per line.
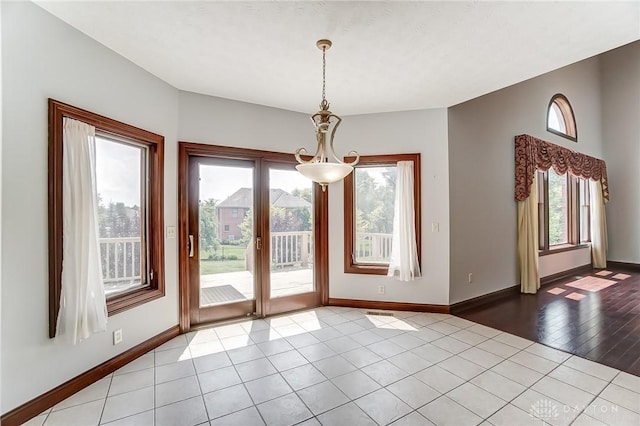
pixel 535 154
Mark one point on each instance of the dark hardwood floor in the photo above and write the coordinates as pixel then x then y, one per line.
pixel 603 325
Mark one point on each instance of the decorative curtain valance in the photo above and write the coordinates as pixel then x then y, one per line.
pixel 535 154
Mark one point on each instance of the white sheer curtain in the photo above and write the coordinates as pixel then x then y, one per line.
pixel 528 241
pixel 598 225
pixel 83 309
pixel 404 250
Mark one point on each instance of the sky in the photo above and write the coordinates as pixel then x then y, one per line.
pixel 118 176
pixel 219 182
pixel 118 172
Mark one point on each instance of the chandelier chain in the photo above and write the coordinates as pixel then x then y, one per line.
pixel 324 70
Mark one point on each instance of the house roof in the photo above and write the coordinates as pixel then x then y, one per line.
pixel 243 198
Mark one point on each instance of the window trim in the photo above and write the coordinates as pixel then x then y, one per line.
pixel 573 219
pixel 568 116
pixel 155 221
pixel 350 266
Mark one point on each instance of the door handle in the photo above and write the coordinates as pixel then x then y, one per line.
pixel 258 243
pixel 190 245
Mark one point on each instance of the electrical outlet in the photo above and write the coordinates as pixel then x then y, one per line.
pixel 435 226
pixel 470 277
pixel 380 289
pixel 117 336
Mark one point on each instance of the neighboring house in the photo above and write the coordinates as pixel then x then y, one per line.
pixel 232 210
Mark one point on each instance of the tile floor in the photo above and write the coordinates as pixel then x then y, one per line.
pixel 340 366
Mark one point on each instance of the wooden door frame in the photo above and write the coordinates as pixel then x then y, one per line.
pixel 186 150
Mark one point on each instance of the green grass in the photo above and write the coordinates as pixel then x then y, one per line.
pixel 225 250
pixel 220 266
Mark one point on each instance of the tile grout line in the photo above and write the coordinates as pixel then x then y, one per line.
pixel 206 410
pixel 387 337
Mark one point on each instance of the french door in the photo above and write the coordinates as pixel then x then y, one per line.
pixel 253 234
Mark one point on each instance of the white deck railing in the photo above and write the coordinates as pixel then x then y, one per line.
pixel 372 247
pixel 291 249
pixel 120 259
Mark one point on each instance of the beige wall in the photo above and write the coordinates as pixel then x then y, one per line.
pixel 481 172
pixel 620 79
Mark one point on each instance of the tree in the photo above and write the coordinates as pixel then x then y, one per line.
pixel 375 201
pixel 304 193
pixel 246 227
pixel 209 225
pixel 119 221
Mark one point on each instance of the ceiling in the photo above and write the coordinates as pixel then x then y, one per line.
pixel 386 56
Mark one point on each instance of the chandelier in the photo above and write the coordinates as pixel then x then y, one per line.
pixel 319 168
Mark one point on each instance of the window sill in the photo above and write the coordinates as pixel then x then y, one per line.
pixel 122 302
pixel 370 269
pixel 563 248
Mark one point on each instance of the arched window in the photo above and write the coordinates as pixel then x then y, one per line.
pixel 560 118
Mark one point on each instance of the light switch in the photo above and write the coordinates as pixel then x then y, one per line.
pixel 171 232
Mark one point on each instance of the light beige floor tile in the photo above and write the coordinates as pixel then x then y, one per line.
pixel 383 406
pixel 284 411
pixel 446 412
pixel 126 404
pixel 184 413
pixel 77 415
pixel 322 397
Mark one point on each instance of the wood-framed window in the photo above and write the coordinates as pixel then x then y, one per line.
pixel 563 211
pixel 369 197
pixel 130 182
pixel 560 118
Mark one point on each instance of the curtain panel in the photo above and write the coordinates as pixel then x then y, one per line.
pixel 535 154
pixel 598 226
pixel 83 308
pixel 528 242
pixel 404 263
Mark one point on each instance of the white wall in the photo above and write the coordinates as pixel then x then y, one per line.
pixel 402 132
pixel 620 73
pixel 481 156
pixel 42 58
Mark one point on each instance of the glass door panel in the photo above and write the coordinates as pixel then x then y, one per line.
pixel 226 234
pixel 222 234
pixel 291 221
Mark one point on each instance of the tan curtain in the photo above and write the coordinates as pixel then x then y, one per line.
pixel 528 241
pixel 598 225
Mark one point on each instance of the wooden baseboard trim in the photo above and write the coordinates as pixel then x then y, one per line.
pixel 623 265
pixel 393 306
pixel 32 408
pixel 550 279
pixel 466 305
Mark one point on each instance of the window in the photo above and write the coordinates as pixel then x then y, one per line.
pixel 369 197
pixel 129 180
pixel 226 228
pixel 122 213
pixel 560 118
pixel 563 210
pixel 234 212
